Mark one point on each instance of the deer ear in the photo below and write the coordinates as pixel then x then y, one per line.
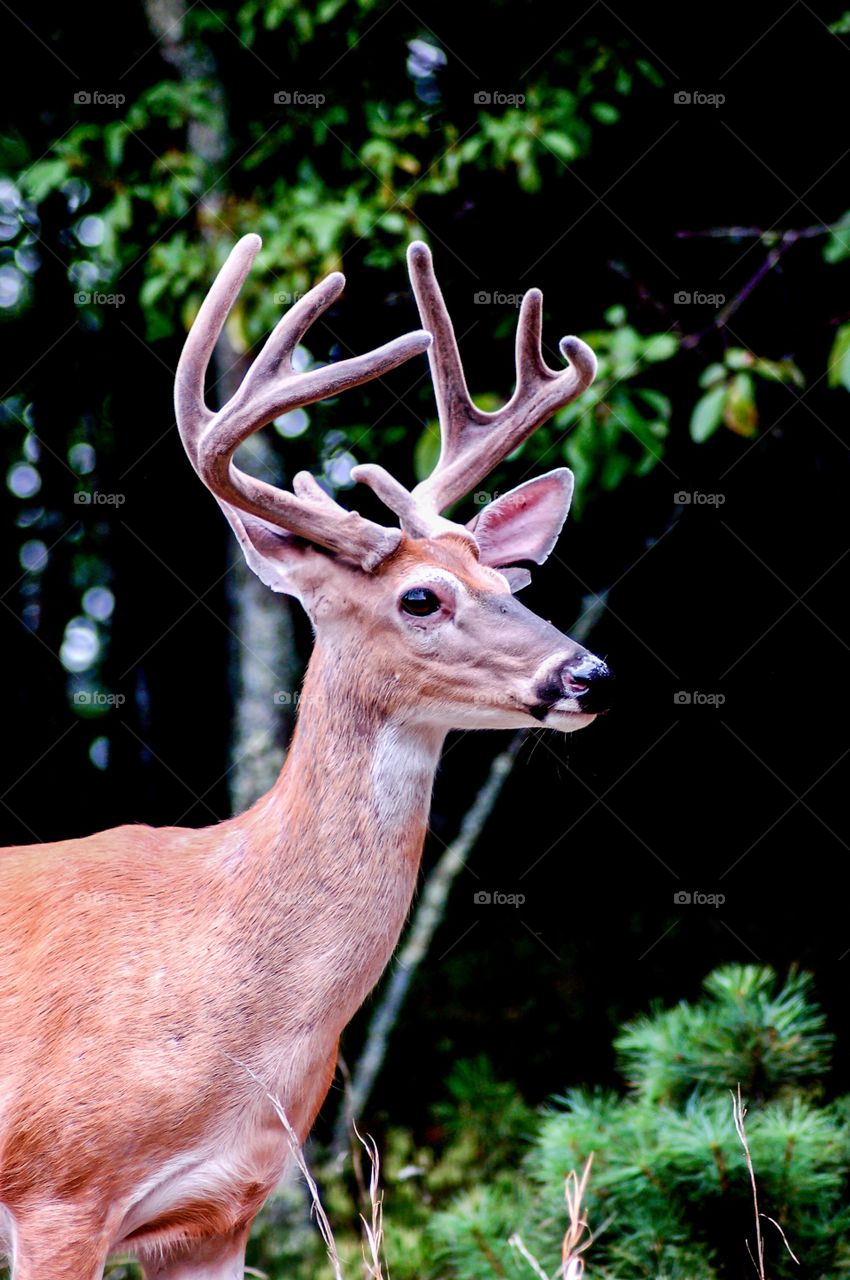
pixel 524 524
pixel 516 579
pixel 277 558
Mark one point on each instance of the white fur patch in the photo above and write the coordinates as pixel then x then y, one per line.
pixel 403 769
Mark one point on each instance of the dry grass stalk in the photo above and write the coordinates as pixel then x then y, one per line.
pixel 739 1112
pixel 373 1229
pixel 575 1244
pixel 575 1188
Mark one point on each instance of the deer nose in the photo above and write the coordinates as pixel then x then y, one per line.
pixel 588 679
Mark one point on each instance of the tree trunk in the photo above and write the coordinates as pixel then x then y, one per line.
pixel 263 664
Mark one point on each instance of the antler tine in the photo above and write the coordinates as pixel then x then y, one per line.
pixel 272 387
pixel 193 416
pixel 454 405
pixel 474 442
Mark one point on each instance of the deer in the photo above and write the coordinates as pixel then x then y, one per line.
pixel 167 993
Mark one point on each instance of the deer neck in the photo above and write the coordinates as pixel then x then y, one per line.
pixel 333 850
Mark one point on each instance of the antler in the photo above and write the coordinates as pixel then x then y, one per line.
pixel 474 442
pixel 272 387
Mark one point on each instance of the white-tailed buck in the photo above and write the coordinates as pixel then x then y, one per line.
pixel 156 986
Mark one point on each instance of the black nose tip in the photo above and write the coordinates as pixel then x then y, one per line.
pixel 589 680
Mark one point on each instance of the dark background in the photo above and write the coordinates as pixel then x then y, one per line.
pixel 747 600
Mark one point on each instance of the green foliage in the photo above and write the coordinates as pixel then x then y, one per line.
pixel 669 1195
pixel 669 1191
pixel 838 374
pixel 619 426
pixel 730 395
pixel 837 247
pixel 373 160
pixel 744 1031
pixel 143 200
pixel 477 1133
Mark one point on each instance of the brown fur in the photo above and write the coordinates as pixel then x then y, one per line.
pixel 156 983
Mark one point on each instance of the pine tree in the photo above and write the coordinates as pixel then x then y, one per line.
pixel 669 1196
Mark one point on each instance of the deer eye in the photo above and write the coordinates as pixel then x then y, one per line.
pixel 419 602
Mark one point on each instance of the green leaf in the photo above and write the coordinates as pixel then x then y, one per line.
pixel 43 177
pixel 648 70
pixel 604 112
pixel 739 412
pixel 426 451
pixel 712 374
pixel 152 289
pixel 660 404
pixel 615 316
pixel 581 465
pixel 563 146
pixel 778 371
pixel 838 370
pixel 625 347
pixel 623 82
pixel 837 247
pixel 707 414
pixel 661 346
pixel 646 463
pixel 738 358
pixel 614 471
pixel 114 137
pixel 393 222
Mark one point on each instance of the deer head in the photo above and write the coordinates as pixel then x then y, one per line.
pixel 423 614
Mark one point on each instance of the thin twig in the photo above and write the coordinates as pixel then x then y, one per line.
pixel 788 239
pixel 768 235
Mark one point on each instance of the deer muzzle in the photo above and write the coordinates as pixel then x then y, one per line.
pixel 580 684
